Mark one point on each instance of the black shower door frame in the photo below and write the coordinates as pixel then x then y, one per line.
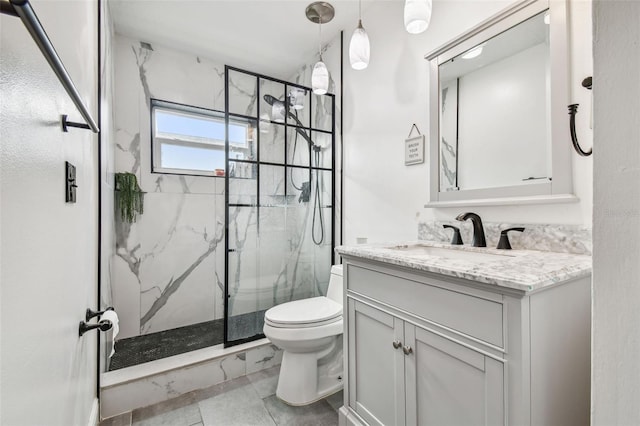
pixel 230 116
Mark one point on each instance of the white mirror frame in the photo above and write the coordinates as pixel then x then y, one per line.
pixel 560 188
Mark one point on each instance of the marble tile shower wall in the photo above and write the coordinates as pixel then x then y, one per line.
pixel 556 238
pixel 332 57
pixel 168 268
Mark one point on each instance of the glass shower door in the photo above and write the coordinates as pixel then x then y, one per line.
pixel 279 193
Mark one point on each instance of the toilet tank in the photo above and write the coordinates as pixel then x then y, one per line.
pixel 334 292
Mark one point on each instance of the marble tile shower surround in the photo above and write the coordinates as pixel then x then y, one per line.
pixel 169 265
pixel 168 268
pixel 554 238
pixel 332 57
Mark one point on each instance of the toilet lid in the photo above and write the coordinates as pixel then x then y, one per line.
pixel 305 312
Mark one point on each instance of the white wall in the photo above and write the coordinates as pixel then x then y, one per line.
pixel 49 248
pixel 384 199
pixel 616 214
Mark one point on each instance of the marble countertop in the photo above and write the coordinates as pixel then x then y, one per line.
pixel 525 270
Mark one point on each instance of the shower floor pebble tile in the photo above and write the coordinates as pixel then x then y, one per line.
pixel 245 401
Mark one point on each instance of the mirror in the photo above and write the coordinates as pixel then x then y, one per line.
pixel 496 92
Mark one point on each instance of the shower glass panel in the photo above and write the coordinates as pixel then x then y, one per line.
pixel 299 101
pixel 279 199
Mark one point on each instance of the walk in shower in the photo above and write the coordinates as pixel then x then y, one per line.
pixel 279 198
pixel 215 249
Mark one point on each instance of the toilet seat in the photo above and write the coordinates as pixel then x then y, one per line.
pixel 304 313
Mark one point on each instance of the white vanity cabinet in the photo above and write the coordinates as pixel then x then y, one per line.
pixel 426 349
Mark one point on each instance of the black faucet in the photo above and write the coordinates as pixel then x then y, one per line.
pixel 478 230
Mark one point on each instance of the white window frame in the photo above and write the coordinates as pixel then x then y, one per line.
pixel 158 139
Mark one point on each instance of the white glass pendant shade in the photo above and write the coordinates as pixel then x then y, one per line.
pixel 359 50
pixel 417 15
pixel 277 112
pixel 320 78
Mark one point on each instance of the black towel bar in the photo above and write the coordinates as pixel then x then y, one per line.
pixel 23 10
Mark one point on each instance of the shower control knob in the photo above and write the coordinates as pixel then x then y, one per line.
pixel 396 344
pixel 407 350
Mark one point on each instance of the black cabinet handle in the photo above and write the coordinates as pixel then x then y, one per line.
pixel 503 243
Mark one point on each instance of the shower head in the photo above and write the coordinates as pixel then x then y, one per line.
pixel 271 101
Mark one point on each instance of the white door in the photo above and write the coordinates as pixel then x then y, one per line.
pixel 450 384
pixel 48 261
pixel 376 365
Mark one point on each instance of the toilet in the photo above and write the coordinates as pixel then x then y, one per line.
pixel 309 332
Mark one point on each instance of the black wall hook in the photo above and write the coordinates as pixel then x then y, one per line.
pixel 573 110
pixel 66 124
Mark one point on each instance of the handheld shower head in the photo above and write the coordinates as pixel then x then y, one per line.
pixel 272 100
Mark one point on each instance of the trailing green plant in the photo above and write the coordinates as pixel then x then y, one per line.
pixel 129 197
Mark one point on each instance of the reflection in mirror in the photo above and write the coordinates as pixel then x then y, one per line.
pixel 495 120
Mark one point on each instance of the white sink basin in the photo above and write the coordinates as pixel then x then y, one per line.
pixel 449 253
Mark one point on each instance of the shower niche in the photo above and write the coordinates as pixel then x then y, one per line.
pixel 279 197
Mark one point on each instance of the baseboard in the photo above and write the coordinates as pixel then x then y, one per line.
pixel 95 413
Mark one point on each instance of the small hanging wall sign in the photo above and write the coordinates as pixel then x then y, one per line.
pixel 414 148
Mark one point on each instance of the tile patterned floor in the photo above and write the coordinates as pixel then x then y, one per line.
pixel 246 401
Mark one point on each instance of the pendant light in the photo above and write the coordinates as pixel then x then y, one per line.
pixel 359 45
pixel 320 13
pixel 417 14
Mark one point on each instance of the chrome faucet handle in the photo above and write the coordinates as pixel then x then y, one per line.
pixel 504 243
pixel 456 240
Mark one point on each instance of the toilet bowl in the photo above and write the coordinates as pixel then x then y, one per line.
pixel 309 332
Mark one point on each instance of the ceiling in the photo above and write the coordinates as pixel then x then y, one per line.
pixel 272 36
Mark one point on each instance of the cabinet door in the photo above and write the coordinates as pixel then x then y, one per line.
pixel 376 367
pixel 451 384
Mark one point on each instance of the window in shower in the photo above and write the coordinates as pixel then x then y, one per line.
pixel 191 140
pixel 279 199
